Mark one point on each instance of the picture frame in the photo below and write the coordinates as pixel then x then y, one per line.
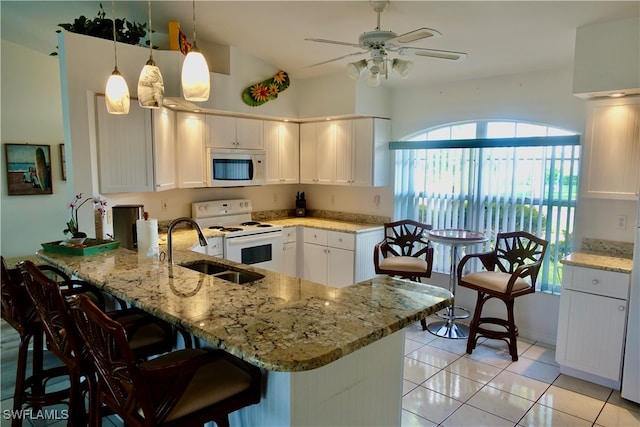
pixel 63 163
pixel 28 169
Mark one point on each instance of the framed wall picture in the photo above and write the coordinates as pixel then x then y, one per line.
pixel 63 163
pixel 28 169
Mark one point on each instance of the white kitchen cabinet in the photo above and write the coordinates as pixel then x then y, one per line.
pixel 290 248
pixel 234 132
pixel 125 149
pixel 190 151
pixel 346 152
pixel 317 153
pixel 164 149
pixel 592 323
pixel 611 155
pixel 338 258
pixel 281 143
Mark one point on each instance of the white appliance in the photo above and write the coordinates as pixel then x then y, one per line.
pixel 631 368
pixel 245 241
pixel 235 168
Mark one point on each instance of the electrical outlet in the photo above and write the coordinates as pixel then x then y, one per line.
pixel 163 205
pixel 109 216
pixel 621 222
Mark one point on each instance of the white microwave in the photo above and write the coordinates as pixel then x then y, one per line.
pixel 235 168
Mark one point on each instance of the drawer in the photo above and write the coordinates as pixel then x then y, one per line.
pixel 289 234
pixel 599 282
pixel 316 236
pixel 342 240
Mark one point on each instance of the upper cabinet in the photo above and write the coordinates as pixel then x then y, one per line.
pixel 611 156
pixel 346 152
pixel 125 149
pixel 234 132
pixel 191 162
pixel 281 143
pixel 164 149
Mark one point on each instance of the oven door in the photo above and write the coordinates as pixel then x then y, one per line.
pixel 259 250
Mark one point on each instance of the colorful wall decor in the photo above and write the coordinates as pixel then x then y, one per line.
pixel 267 90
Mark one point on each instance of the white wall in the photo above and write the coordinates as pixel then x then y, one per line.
pixel 31 113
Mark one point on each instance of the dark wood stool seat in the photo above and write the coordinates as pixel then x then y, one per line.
pixel 405 252
pixel 512 269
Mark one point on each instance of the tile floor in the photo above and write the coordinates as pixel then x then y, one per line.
pixel 444 386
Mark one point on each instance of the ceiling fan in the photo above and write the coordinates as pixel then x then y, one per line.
pixel 378 43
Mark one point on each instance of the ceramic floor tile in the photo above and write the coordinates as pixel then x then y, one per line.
pixel 534 369
pixel 415 333
pixel 541 353
pixel 572 403
pixel 522 344
pixel 410 419
pixel 496 401
pixel 519 385
pixel 540 415
pixel 453 385
pixel 434 356
pixel 583 387
pixel 474 370
pixel 418 372
pixel 468 416
pixel 410 346
pixel 498 357
pixel 458 347
pixel 428 404
pixel 407 386
pixel 614 416
pixel 618 400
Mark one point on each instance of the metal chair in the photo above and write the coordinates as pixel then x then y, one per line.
pixel 148 335
pixel 182 388
pixel 512 269
pixel 405 252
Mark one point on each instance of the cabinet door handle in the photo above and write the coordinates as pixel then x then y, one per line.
pixel 595 281
pixel 621 308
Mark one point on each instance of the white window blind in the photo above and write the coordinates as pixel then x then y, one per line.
pixel 493 189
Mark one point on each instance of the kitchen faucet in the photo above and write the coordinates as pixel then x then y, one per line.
pixel 201 238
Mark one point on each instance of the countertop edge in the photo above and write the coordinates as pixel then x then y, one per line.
pixel 599 261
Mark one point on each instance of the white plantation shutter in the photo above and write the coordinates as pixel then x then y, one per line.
pixel 493 187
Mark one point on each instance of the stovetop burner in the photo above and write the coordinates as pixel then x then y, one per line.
pixel 221 228
pixel 264 225
pixel 251 223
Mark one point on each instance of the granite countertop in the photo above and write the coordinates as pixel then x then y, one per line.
pixel 279 323
pixel 602 255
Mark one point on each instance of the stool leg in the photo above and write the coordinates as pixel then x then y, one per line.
pixel 473 327
pixel 21 374
pixel 513 346
pixel 37 357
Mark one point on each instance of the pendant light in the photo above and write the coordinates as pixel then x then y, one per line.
pixel 195 71
pixel 150 83
pixel 117 91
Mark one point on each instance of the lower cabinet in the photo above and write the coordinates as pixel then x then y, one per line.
pixel 290 248
pixel 592 324
pixel 336 258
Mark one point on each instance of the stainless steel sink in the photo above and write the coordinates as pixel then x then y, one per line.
pixel 223 272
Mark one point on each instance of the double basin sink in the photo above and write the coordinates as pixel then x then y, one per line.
pixel 224 272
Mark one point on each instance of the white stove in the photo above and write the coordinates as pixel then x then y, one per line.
pixel 244 240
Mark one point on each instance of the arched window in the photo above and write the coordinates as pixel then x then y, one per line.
pixel 492 176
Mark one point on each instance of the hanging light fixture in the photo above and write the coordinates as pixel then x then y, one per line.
pixel 379 65
pixel 195 71
pixel 355 69
pixel 117 91
pixel 150 83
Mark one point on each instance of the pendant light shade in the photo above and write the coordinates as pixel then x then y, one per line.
pixel 196 83
pixel 150 82
pixel 116 92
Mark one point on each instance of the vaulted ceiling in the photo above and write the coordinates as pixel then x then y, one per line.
pixel 500 37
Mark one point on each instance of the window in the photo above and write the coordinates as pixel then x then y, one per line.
pixel 492 176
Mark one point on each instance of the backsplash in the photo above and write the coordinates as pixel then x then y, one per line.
pixel 622 249
pixel 319 213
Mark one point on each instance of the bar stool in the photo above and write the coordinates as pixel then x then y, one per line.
pixel 148 335
pixel 19 312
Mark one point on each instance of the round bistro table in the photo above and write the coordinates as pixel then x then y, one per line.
pixel 455 238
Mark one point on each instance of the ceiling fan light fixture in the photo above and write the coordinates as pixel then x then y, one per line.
pixel 402 67
pixel 355 69
pixel 373 79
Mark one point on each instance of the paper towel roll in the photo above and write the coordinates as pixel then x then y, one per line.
pixel 148 243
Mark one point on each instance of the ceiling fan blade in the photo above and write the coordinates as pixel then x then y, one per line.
pixel 337 59
pixel 334 42
pixel 433 53
pixel 413 36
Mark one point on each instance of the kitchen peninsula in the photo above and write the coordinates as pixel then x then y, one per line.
pixel 331 356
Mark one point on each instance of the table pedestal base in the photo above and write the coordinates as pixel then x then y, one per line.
pixel 448 329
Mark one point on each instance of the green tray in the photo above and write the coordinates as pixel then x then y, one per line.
pixel 91 247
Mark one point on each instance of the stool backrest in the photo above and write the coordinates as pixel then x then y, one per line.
pixel 517 248
pixel 17 309
pixel 406 238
